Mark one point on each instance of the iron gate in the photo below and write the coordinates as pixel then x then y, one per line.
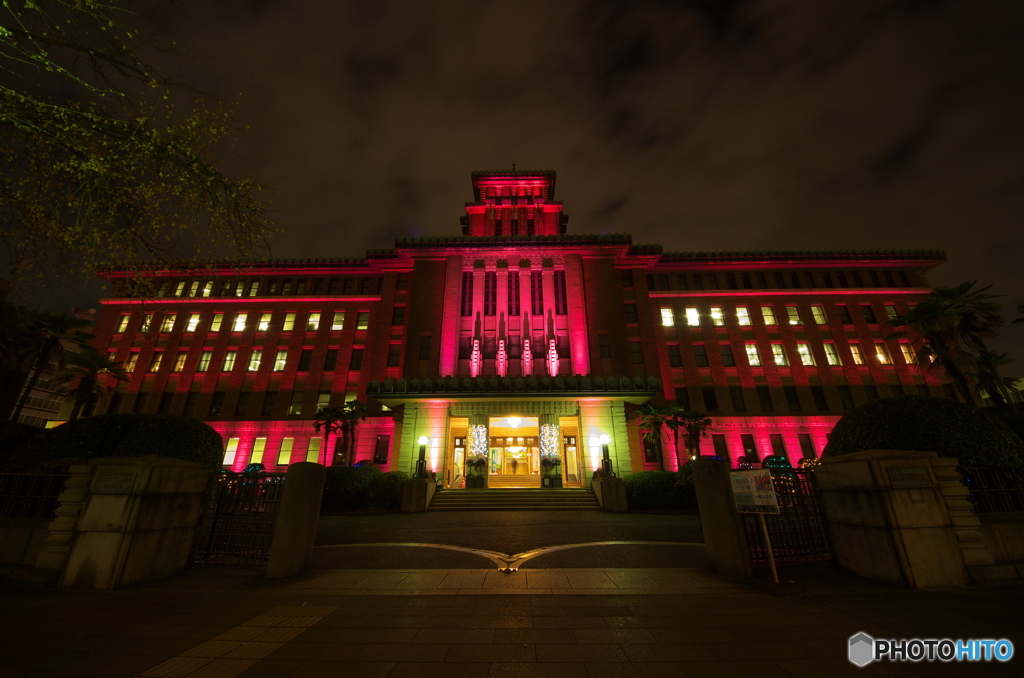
pixel 799 533
pixel 237 523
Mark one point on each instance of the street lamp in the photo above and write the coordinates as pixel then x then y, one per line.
pixel 606 461
pixel 421 463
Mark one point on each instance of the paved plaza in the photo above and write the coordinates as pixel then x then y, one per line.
pixel 411 605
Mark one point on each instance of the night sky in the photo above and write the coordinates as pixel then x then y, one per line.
pixel 697 125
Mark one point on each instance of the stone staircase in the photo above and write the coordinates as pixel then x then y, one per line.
pixel 507 499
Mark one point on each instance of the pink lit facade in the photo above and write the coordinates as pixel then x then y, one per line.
pixel 519 341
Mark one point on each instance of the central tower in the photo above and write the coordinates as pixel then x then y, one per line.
pixel 516 203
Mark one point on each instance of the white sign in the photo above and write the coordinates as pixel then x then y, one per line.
pixel 753 491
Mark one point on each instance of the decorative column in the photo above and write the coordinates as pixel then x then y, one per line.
pixel 477 442
pixel 550 451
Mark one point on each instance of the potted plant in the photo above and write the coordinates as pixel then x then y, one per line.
pixel 551 472
pixel 476 472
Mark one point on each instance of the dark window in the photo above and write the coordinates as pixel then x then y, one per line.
pixel 300 287
pixel 844 314
pixel 499 227
pixel 713 278
pixel 818 393
pixel 380 450
pixel 898 390
pixel 465 347
pixel 305 359
pixel 333 285
pixel 318 286
pixel 762 281
pixel 721 448
pixel 425 347
pixel 809 279
pixel 515 346
pixel 842 279
pixel 792 398
pixel 846 397
pixel 636 353
pixel 739 404
pixel 365 285
pixel 778 446
pixel 331 359
pixel 269 401
pixel 857 281
pixel 402 281
pixel 683 398
pixel 490 292
pixel 626 278
pixel 949 392
pixel 165 403
pixel 674 358
pixel 631 314
pixel 701 354
pixel 710 398
pixel 683 281
pixel 398 316
pixel 536 293
pixel 698 281
pixel 190 403
pixel 749 447
pixel 827 279
pixel 745 277
pixel 922 389
pixel 350 286
pixel 295 408
pixel 663 281
pixel 217 404
pixel 242 404
pixel 871 391
pixel 794 281
pixel 904 281
pixel 869 314
pixel 650 451
pixel 650 282
pixel 394 355
pixel 531 229
pixel 730 279
pixel 728 359
pixel 875 282
pixel 467 294
pixel 764 398
pixel 356 363
pixel 513 293
pixel 604 346
pixel 806 445
pixel 115 402
pixel 561 305
pixel 562 345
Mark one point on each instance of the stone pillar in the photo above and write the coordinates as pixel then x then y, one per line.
pixel 477 444
pixel 724 541
pixel 62 528
pixel 604 417
pixel 291 551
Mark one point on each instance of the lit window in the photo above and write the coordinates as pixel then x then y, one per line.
pixel 254 288
pixel 742 316
pixel 883 353
pixel 180 289
pixel 289 322
pixel 254 360
pixel 147 322
pixel 280 359
pixel 753 357
pixel 155 364
pixel 832 355
pixel 179 362
pixel 363 321
pixel 204 361
pixel 208 289
pixel 323 400
pixel 285 455
pixel 131 362
pixel 122 324
pixel 240 289
pixel 240 322
pixel 890 311
pixel 264 322
pixel 806 357
pixel 667 318
pixel 819 315
pixel 908 353
pixel 313 450
pixel 193 288
pixel 794 315
pixel 339 321
pixel 858 357
pixel 168 324
pixel 258 446
pixel 313 323
pixel 193 322
pixel 768 313
pixel 230 450
pixel 162 290
pixel 717 317
pixel 218 318
pixel 779 354
pixel 229 361
pixel 692 316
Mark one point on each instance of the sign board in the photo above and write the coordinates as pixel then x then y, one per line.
pixel 903 477
pixel 113 483
pixel 753 491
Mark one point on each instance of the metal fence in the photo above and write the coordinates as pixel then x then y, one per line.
pixel 30 495
pixel 237 523
pixel 799 533
pixel 996 490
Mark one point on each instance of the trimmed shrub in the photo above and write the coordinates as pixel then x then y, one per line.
pixel 362 487
pixel 121 435
pixel 661 491
pixel 1011 416
pixel 952 429
pixel 14 434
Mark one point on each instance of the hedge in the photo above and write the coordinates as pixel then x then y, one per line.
pixel 973 436
pixel 13 435
pixel 661 490
pixel 121 435
pixel 361 487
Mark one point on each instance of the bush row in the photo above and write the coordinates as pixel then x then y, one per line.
pixel 362 487
pixel 661 491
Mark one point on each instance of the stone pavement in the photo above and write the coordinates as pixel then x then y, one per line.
pixel 469 619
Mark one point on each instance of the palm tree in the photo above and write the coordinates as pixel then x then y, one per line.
pixel 694 425
pixel 986 376
pixel 86 378
pixel 49 332
pixel 652 419
pixel 340 420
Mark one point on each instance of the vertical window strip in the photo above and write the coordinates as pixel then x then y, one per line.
pixel 537 292
pixel 561 303
pixel 513 293
pixel 467 294
pixel 490 292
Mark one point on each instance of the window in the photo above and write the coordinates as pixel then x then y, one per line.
pixel 806 446
pixel 636 353
pixel 604 346
pixel 269 402
pixel 313 450
pixel 710 398
pixel 626 278
pixel 890 311
pixel 131 362
pixel 701 353
pixel 394 355
pixel 323 400
pixel 717 317
pixel 230 450
pixel 280 359
pixel 179 289
pixel 154 364
pixel 216 404
pixel 804 351
pixel 753 357
pixel 858 357
pixel 779 354
pixel 818 393
pixel 720 445
pixel 300 287
pixel 778 445
pixel 122 324
pixel 168 324
pixel 193 322
pixel 692 316
pixel 207 288
pixel 162 290
pixel 264 322
pixel 239 325
pixel 467 294
pixel 305 359
pixel 380 450
pixel 736 396
pixel 254 360
pixel 831 354
pixel 356 362
pixel 845 397
pixel 295 406
pixel 844 314
pixel 794 315
pixel 818 312
pixel 882 352
pixel 363 320
pixel 869 314
pixel 284 456
pixel 425 347
pixel 871 391
pixel 749 447
pixel 764 398
pixel 513 293
pixel 204 361
pixel 218 318
pixel 674 357
pixel 742 316
pixel 193 288
pixel 667 318
pixel 728 359
pixel 164 406
pixel 331 360
pixel 631 314
pixel 792 398
pixel 490 294
pixel 768 313
pixel 179 361
pixel 537 293
pixel 683 398
pixel 908 353
pixel 242 404
pixel 561 307
pixel 313 322
pixel 147 322
pixel 398 316
pixel 254 288
pixel 402 282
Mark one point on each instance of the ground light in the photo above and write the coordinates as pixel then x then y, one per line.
pixel 421 463
pixel 606 461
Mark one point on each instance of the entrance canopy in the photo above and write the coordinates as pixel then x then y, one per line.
pixel 635 390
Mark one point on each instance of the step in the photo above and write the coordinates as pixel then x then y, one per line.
pixel 515 499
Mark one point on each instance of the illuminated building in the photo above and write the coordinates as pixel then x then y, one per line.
pixel 518 321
